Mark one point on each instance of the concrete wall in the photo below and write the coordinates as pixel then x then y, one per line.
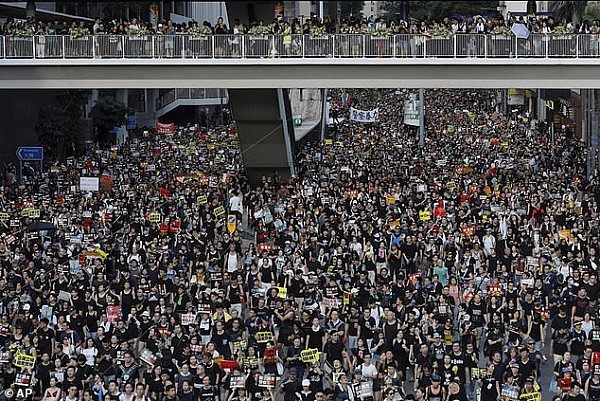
pixel 18 115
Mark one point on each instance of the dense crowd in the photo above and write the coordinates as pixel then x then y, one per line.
pixel 381 271
pixel 293 26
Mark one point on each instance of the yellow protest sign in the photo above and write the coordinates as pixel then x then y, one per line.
pixel 202 200
pixel 565 234
pixel 240 345
pixel 231 223
pixel 101 253
pixel 310 355
pixel 328 142
pixel 504 145
pixel 425 216
pixel 24 361
pixel 219 211
pixel 155 217
pixel 281 292
pixel 340 144
pixel 535 396
pixel 346 298
pixel 390 199
pixel 263 337
pixel 4 216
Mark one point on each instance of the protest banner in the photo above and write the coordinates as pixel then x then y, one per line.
pixel 188 319
pixel 263 337
pixel 310 355
pixel 113 313
pixel 238 381
pixel 266 380
pixel 168 129
pixel 364 116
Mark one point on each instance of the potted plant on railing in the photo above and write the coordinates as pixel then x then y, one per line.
pixel 259 32
pixel 22 33
pixel 502 33
pixel 201 32
pixel 79 33
pixel 380 32
pixel 562 32
pixel 562 41
pixel 317 32
pixel 141 33
pixel 440 41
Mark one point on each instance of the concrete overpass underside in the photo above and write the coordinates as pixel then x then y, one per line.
pixel 300 73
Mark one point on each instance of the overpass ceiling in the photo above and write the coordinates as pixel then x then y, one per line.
pixel 300 73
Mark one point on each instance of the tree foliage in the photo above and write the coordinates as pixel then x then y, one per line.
pixel 351 9
pixel 439 9
pixel 570 11
pixel 59 124
pixel 107 114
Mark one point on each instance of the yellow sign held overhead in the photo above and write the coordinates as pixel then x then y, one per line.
pixel 310 355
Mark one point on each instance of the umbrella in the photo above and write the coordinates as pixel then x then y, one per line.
pixel 520 31
pixel 41 226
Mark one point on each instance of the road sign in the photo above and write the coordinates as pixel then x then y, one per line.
pixel 131 122
pixel 30 153
pixel 297 120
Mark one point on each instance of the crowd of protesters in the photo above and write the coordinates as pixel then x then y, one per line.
pixel 381 271
pixel 279 25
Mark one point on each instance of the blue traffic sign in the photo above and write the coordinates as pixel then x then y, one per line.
pixel 30 153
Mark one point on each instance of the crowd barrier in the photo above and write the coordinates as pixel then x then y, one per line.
pixel 298 46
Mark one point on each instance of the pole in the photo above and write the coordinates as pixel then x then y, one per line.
pixel 321 10
pixel 421 118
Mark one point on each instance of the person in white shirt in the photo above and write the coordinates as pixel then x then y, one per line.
pixel 236 205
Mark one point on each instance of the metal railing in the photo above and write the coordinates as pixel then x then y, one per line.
pixel 190 93
pixel 298 46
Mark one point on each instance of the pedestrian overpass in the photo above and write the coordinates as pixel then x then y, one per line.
pixel 259 70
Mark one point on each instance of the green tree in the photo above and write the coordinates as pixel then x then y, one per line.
pixel 59 124
pixel 439 9
pixel 351 9
pixel 570 11
pixel 107 114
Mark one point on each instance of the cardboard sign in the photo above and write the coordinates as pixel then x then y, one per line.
pixel 64 296
pixel 363 389
pixel 495 291
pixel 310 355
pixel 425 216
pixel 188 319
pixel 266 380
pixel 239 346
pixel 331 303
pixel 113 313
pixel 237 381
pixel 390 199
pixel 24 361
pixel 202 200
pixel 281 292
pixel 155 217
pixel 89 184
pixel 219 211
pixel 263 337
pixel 510 392
pixel 328 141
pixel 148 357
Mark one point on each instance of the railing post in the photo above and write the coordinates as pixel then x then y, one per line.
pixel 212 44
pixel 364 45
pixel 3 46
pixel 33 45
pixel 455 45
pixel 123 46
pixel 394 46
pixel 242 46
pixel 425 47
pixel 303 46
pixel 485 46
pixel 547 44
pixel 64 46
pixel 93 46
pixel 333 45
pixel 153 46
pixel 516 47
pixel 576 46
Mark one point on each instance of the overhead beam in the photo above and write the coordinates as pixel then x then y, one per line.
pixel 304 73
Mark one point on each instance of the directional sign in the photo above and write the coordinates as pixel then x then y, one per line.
pixel 33 153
